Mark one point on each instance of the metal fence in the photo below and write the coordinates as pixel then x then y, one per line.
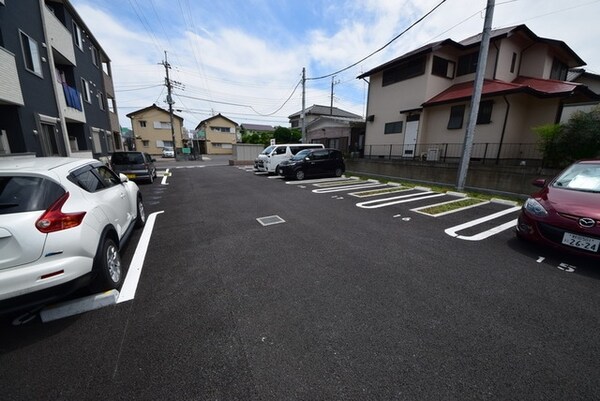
pixel 483 153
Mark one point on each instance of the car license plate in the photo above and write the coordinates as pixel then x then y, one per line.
pixel 581 242
pixel 130 175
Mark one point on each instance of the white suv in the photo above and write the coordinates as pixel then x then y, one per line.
pixel 62 223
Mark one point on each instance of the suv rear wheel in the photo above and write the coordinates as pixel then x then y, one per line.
pixel 108 267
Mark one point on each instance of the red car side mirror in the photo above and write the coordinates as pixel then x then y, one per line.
pixel 540 182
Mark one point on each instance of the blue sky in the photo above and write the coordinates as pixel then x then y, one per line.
pixel 244 59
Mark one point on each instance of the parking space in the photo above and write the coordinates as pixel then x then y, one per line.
pixel 472 223
pixel 479 221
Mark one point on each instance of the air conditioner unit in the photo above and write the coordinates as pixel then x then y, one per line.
pixel 433 154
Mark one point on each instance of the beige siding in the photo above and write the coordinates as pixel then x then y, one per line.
pixel 154 136
pixel 217 142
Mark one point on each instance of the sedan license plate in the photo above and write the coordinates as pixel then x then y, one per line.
pixel 581 242
pixel 130 175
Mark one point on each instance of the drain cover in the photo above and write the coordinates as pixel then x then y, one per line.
pixel 270 220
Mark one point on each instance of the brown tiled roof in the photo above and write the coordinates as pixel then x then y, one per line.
pixel 534 86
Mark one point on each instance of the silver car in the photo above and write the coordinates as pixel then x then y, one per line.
pixel 62 223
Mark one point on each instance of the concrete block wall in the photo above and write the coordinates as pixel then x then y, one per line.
pixel 500 179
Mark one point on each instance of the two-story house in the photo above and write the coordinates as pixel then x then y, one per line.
pixel 152 129
pixel 217 135
pixel 56 90
pixel 330 126
pixel 418 103
pixel 250 129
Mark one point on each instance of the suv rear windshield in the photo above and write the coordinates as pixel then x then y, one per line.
pixel 127 158
pixel 26 194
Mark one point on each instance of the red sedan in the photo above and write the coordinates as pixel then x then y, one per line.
pixel 565 213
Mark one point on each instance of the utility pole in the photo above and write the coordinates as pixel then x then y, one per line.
pixel 170 102
pixel 303 104
pixel 333 82
pixel 331 105
pixel 475 99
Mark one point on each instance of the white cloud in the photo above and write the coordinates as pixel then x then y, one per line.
pixel 252 53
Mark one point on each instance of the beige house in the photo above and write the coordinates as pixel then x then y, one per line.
pixel 217 135
pixel 419 103
pixel 152 129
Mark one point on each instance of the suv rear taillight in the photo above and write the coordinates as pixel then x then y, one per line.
pixel 55 219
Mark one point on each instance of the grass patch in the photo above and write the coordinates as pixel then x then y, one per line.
pixel 374 192
pixel 450 206
pixel 442 189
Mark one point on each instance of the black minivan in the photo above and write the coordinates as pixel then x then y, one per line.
pixel 312 163
pixel 135 165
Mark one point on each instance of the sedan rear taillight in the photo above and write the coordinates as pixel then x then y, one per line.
pixel 55 219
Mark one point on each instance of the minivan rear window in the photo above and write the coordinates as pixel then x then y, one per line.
pixel 127 158
pixel 20 194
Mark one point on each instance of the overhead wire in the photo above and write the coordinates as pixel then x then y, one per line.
pixel 382 47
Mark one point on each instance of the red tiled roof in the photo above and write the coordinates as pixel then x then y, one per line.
pixel 534 86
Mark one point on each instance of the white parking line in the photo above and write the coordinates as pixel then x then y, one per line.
pixel 452 231
pixel 165 176
pixel 342 178
pixel 348 187
pixel 377 203
pixel 137 262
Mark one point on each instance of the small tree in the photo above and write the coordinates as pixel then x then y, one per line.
pixel 549 136
pixel 262 138
pixel 286 135
pixel 578 138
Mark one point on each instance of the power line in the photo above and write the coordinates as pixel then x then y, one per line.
pixel 383 47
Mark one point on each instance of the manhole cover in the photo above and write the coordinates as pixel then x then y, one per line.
pixel 270 220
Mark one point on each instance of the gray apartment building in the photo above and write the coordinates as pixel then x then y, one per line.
pixel 56 91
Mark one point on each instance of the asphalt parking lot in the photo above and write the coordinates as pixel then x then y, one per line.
pixel 330 301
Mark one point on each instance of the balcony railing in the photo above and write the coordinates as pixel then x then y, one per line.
pixel 483 153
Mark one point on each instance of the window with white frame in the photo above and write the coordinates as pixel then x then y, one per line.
pixel 111 105
pixel 101 101
pixel 95 57
pixel 77 36
pixel 31 54
pixel 96 147
pixel 85 90
pixel 220 129
pixel 162 125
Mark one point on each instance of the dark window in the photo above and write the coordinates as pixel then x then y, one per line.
pixel 77 36
pixel 457 114
pixel 467 64
pixel 107 176
pixel 513 62
pixel 442 67
pixel 88 181
pixel 393 128
pixel 559 70
pixel 142 123
pixel 25 194
pixel 320 155
pixel 124 158
pixel 405 70
pixel 95 57
pixel 485 112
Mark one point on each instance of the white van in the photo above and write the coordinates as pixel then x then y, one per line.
pixel 268 160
